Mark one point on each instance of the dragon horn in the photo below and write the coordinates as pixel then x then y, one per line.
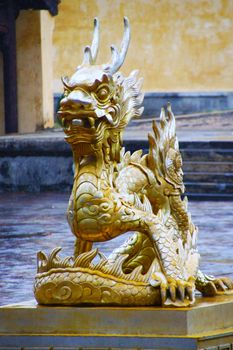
pixel 90 53
pixel 119 57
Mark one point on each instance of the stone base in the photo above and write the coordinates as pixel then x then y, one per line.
pixel 206 325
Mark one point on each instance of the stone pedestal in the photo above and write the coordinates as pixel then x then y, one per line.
pixel 206 325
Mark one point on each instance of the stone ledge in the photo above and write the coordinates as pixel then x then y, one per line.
pixel 51 143
pixel 188 102
pixel 208 322
pixel 43 161
pixel 208 315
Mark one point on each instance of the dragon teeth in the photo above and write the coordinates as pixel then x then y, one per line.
pixel 91 121
pixel 77 122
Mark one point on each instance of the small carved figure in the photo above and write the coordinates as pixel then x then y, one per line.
pixel 116 192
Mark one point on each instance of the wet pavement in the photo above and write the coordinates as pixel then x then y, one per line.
pixel 32 222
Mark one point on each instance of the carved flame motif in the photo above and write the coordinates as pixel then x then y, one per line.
pixel 116 192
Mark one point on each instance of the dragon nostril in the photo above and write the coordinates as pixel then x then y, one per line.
pixel 80 97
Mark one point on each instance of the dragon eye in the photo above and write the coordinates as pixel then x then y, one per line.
pixel 103 93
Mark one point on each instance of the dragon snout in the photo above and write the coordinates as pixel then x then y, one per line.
pixel 76 98
pixel 75 108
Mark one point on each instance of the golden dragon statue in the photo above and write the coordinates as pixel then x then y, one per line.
pixel 115 192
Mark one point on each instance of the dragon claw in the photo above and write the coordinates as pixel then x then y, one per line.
pixel 228 282
pixel 181 292
pixel 190 293
pixel 220 285
pixel 163 291
pixel 223 284
pixel 174 292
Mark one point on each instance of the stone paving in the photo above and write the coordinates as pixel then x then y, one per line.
pixel 33 222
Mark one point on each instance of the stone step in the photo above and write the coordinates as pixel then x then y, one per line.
pixel 217 155
pixel 217 120
pixel 209 188
pixel 135 144
pixel 221 151
pixel 209 196
pixel 43 162
pixel 208 177
pixel 208 167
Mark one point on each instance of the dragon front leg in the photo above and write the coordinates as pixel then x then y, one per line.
pixel 176 285
pixel 82 246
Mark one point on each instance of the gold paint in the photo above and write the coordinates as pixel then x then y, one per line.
pixel 116 192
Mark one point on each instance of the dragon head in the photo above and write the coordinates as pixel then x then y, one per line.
pixel 98 102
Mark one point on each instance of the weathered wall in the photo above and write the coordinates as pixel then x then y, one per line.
pixel 178 45
pixel 47 28
pixel 34 70
pixel 28 62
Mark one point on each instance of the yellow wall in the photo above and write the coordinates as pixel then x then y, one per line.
pixel 178 45
pixel 34 30
pixel 28 61
pixel 34 70
pixel 47 27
